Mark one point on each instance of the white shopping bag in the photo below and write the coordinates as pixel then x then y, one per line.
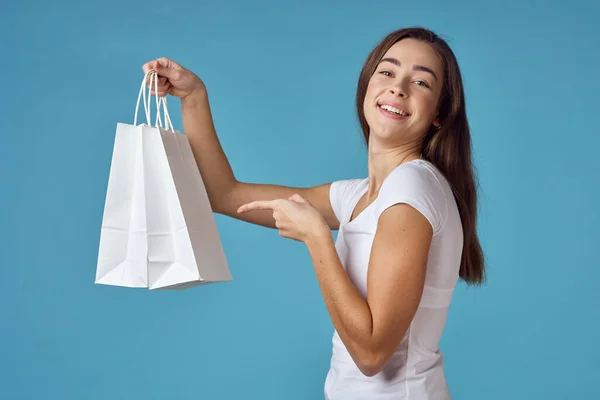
pixel 123 249
pixel 184 247
pixel 182 244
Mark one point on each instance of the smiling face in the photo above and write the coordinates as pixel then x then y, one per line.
pixel 402 98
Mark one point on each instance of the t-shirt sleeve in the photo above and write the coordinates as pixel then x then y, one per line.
pixel 418 187
pixel 339 194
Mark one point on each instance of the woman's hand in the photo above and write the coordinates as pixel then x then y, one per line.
pixel 174 79
pixel 296 218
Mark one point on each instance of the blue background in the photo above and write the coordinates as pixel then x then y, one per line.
pixel 282 78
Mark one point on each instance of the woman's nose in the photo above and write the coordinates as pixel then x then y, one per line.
pixel 399 89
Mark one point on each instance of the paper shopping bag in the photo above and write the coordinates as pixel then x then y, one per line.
pixel 122 253
pixel 184 246
pixel 158 229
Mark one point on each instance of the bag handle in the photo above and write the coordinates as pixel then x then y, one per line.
pixel 137 106
pixel 162 100
pixel 168 122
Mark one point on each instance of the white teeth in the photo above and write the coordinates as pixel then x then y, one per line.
pixel 393 109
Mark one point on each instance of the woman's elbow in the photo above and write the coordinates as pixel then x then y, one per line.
pixel 372 364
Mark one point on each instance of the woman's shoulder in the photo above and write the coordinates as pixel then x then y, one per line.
pixel 420 184
pixel 416 177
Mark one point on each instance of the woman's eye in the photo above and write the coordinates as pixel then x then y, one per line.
pixel 386 73
pixel 423 83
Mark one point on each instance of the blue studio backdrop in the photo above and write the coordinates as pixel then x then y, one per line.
pixel 281 78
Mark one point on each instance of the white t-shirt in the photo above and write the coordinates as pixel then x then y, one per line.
pixel 415 370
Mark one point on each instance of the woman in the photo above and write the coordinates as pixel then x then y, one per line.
pixel 406 232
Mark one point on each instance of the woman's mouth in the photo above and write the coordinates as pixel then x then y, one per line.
pixel 392 112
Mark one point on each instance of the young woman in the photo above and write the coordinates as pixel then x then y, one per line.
pixel 407 232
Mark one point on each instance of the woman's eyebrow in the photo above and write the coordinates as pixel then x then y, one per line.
pixel 415 67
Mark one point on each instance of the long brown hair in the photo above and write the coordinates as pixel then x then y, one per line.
pixel 448 148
